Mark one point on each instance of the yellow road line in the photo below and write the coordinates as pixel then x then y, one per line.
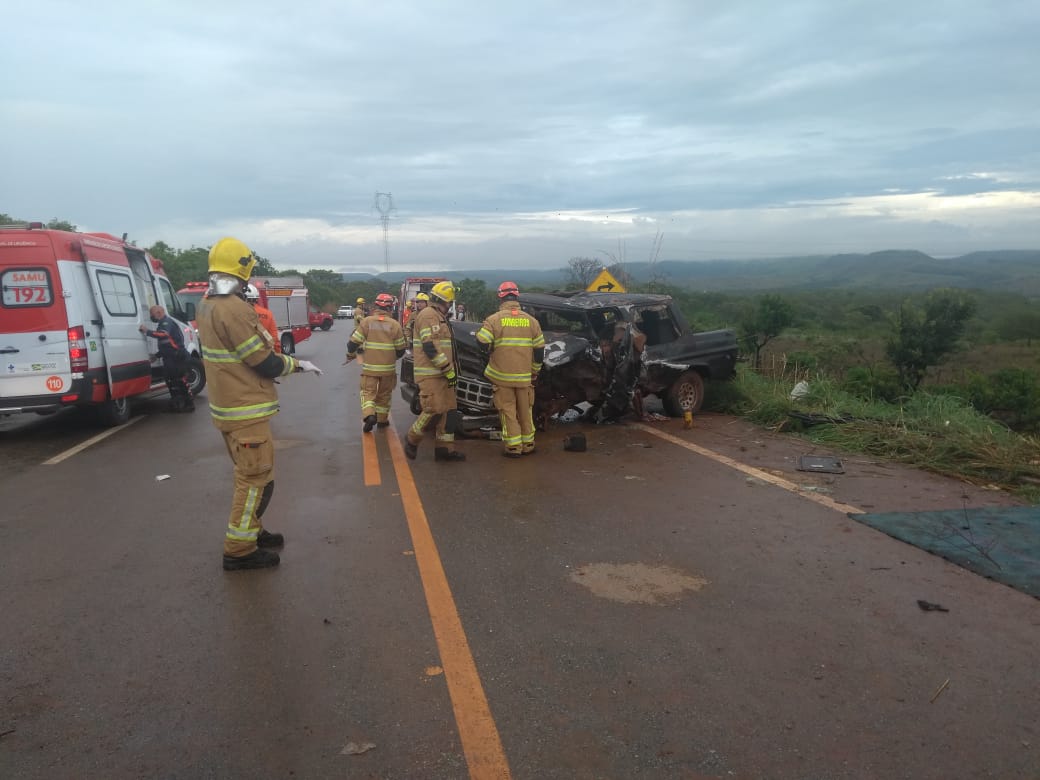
pixel 765 476
pixel 480 741
pixel 371 459
pixel 90 442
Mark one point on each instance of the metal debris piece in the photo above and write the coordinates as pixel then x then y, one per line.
pixel 821 463
pixel 357 748
pixel 161 477
pixel 928 606
pixel 941 688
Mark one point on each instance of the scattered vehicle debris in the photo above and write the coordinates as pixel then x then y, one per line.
pixel 928 606
pixel 821 463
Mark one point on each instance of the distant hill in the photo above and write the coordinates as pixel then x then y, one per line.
pixel 894 269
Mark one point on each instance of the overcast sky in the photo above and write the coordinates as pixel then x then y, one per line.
pixel 526 133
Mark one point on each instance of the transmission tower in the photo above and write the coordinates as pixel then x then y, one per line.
pixel 384 204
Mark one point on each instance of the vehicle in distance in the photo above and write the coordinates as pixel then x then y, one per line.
pixel 319 319
pixel 345 313
pixel 600 348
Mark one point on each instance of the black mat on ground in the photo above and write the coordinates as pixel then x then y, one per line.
pixel 1002 543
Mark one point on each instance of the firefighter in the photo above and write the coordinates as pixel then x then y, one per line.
pixel 241 366
pixel 433 353
pixel 360 310
pixel 418 303
pixel 264 314
pixel 168 335
pixel 516 347
pixel 380 338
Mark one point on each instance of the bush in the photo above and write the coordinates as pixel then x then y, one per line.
pixel 1011 395
pixel 873 383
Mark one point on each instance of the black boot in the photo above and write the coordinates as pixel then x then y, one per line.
pixel 411 450
pixel 258 559
pixel 268 539
pixel 370 423
pixel 443 453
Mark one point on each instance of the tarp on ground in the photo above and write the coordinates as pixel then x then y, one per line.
pixel 1002 543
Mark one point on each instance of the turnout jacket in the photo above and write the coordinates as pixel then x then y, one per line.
pixel 433 350
pixel 381 339
pixel 240 361
pixel 516 343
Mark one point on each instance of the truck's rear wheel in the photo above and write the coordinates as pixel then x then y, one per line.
pixel 326 325
pixel 686 394
pixel 114 412
pixel 195 375
pixel 288 345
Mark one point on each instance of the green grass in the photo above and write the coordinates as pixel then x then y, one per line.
pixel 940 433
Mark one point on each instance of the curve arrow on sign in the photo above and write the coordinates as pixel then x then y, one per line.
pixel 605 287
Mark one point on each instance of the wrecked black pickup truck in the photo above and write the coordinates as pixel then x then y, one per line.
pixel 606 349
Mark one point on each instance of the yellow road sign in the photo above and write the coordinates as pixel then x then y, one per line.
pixel 605 282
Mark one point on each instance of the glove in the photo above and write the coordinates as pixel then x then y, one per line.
pixel 534 378
pixel 306 365
pixel 350 357
pixel 450 376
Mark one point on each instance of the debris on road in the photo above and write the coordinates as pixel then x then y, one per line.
pixel 821 463
pixel 161 477
pixel 928 606
pixel 575 443
pixel 357 748
pixel 941 688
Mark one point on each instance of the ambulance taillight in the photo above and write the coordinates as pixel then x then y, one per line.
pixel 77 349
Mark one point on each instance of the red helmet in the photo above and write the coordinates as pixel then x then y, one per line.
pixel 385 301
pixel 508 288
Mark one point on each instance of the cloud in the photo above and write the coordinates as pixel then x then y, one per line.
pixel 528 133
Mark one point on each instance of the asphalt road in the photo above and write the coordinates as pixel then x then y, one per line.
pixel 642 609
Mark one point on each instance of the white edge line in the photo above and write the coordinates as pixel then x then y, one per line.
pixel 765 476
pixel 91 441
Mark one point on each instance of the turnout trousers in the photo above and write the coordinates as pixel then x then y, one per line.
pixel 376 394
pixel 515 410
pixel 436 400
pixel 252 451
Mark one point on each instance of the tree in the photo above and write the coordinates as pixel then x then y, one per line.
pixel 923 337
pixel 763 322
pixel 581 271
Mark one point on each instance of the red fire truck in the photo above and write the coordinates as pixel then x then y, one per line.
pixel 285 296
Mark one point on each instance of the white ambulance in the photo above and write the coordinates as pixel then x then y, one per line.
pixel 70 309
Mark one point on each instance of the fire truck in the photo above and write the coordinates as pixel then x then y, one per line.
pixel 285 296
pixel 414 285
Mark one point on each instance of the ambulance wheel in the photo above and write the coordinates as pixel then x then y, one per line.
pixel 195 376
pixel 288 345
pixel 114 412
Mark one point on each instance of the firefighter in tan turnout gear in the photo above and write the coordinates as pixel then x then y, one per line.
pixel 517 347
pixel 379 338
pixel 433 353
pixel 241 366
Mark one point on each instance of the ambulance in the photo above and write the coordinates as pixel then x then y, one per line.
pixel 70 309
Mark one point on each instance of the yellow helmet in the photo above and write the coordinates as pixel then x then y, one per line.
pixel 360 300
pixel 231 256
pixel 444 291
pixel 422 297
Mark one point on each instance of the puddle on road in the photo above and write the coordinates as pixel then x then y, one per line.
pixel 636 583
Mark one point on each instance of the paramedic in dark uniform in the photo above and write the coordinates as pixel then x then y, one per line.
pixel 241 366
pixel 171 350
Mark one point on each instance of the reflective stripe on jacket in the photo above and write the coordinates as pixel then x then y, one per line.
pixel 233 342
pixel 513 336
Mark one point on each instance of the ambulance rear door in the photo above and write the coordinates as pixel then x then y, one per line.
pixel 126 352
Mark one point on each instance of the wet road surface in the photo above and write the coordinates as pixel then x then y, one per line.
pixel 638 610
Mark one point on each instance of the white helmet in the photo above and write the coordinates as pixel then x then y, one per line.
pixel 252 294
